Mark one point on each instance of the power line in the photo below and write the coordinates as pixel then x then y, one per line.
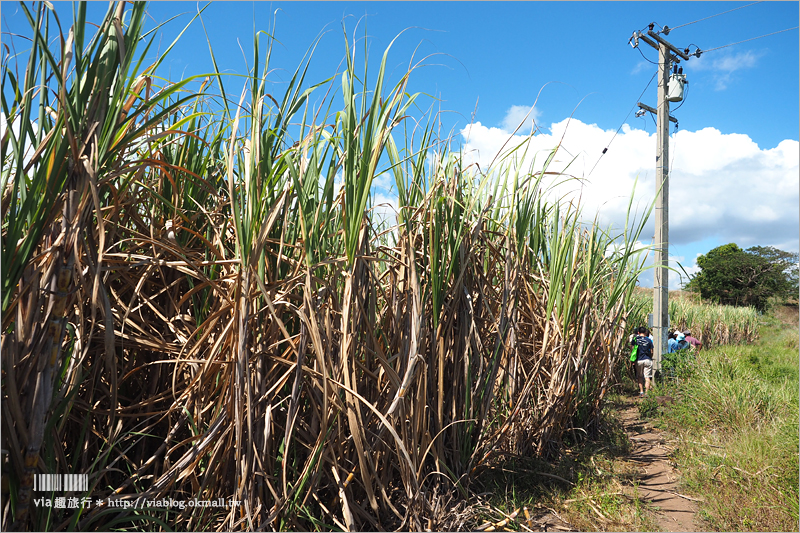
pixel 751 39
pixel 645 57
pixel 712 16
pixel 620 126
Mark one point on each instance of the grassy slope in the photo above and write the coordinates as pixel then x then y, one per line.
pixel 736 422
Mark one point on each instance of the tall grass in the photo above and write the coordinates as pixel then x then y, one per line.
pixel 713 325
pixel 736 424
pixel 191 308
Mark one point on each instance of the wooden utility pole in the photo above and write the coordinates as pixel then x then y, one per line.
pixel 661 273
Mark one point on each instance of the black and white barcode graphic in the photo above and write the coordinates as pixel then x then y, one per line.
pixel 65 482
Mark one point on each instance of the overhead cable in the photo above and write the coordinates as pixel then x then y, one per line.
pixel 645 57
pixel 620 126
pixel 751 39
pixel 712 16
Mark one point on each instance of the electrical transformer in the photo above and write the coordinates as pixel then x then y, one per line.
pixel 675 87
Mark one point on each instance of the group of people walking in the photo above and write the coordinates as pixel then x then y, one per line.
pixel 642 341
pixel 682 340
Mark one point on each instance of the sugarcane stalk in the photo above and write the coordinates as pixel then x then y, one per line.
pixel 48 359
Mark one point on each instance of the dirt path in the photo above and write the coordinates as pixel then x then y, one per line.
pixel 658 479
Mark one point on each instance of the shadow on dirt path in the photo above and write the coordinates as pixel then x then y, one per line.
pixel 658 479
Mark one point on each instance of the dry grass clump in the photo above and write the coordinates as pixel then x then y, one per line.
pixel 192 310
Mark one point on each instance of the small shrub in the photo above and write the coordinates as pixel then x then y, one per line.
pixel 648 407
pixel 678 365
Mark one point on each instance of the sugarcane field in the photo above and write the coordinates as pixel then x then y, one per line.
pixel 290 297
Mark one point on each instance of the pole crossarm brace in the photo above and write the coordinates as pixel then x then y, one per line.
pixel 648 41
pixel 655 45
pixel 653 111
pixel 674 50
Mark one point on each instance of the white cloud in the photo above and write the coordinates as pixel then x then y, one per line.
pixel 338 182
pixel 521 116
pixel 641 66
pixel 722 66
pixel 16 130
pixel 383 181
pixel 685 271
pixel 722 186
pixel 677 278
pixel 726 62
pixel 384 200
pixel 385 209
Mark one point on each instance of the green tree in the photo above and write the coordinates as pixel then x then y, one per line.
pixel 733 276
pixel 787 261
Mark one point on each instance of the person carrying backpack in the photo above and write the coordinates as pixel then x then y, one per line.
pixel 644 360
pixel 683 344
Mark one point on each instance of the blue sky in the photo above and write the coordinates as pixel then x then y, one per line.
pixel 735 156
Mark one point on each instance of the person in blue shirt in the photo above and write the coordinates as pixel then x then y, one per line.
pixel 672 344
pixel 644 360
pixel 681 343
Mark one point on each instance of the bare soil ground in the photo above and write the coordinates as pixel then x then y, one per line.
pixel 657 479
